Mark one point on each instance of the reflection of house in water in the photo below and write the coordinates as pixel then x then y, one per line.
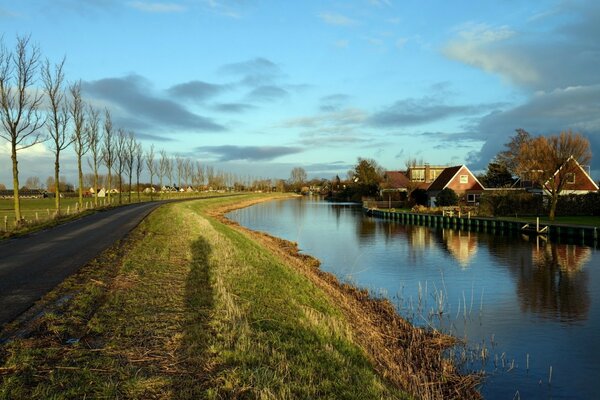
pixel 461 245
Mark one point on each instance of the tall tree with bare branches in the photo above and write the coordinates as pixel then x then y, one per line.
pixel 121 159
pixel 58 118
pixel 20 104
pixel 151 168
pixel 94 139
pixel 108 150
pixel 162 166
pixel 547 159
pixel 81 139
pixel 179 163
pixel 139 166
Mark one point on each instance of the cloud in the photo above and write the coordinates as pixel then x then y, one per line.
pixel 267 93
pixel 224 8
pixel 411 112
pixel 197 90
pixel 134 102
pixel 342 43
pixel 573 108
pixel 152 7
pixel 233 107
pixel 153 138
pixel 4 13
pixel 255 72
pixel 565 55
pixel 250 153
pixel 333 102
pixel 337 19
pixel 401 42
pixel 343 118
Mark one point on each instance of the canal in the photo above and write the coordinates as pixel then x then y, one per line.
pixel 528 310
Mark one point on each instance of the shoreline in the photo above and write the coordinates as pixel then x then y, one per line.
pixel 409 357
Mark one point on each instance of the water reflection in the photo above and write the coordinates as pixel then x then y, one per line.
pixel 462 245
pixel 555 283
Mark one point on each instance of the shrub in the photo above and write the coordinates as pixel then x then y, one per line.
pixel 447 197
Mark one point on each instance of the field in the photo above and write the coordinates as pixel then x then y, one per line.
pixel 39 211
pixel 190 306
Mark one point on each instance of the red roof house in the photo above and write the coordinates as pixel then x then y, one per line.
pixel 576 179
pixel 461 180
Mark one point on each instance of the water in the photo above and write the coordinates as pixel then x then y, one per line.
pixel 516 298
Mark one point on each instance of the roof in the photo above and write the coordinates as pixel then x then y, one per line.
pixel 395 179
pixel 444 178
pixel 591 185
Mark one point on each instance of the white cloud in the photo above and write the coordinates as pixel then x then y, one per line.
pixel 36 150
pixel 342 43
pixel 477 45
pixel 156 7
pixel 401 42
pixel 337 19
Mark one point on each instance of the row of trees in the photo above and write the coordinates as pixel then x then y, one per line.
pixel 56 112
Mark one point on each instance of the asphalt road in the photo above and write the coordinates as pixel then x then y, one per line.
pixel 33 265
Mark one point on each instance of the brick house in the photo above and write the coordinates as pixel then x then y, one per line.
pixel 460 179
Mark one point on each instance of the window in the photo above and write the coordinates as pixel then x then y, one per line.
pixel 570 177
pixel 464 179
pixel 471 198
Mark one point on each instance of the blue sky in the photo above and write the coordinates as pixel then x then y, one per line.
pixel 259 87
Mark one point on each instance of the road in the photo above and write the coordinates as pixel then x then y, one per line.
pixel 33 265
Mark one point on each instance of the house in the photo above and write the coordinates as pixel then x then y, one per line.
pixel 394 181
pixel 460 179
pixel 424 173
pixel 576 179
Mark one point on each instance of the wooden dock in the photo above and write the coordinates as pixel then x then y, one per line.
pixel 577 234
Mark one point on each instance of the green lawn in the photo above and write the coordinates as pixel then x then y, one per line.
pixel 574 220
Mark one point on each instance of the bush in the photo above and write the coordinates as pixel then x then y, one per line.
pixel 419 197
pixel 447 197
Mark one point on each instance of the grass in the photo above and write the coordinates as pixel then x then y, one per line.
pixel 566 220
pixel 188 307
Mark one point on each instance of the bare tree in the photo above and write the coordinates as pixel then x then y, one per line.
pixel 179 164
pixel 129 158
pixel 58 117
pixel 108 150
pixel 20 104
pixel 81 138
pixel 188 171
pixel 169 170
pixel 122 155
pixel 139 166
pixel 510 158
pixel 151 167
pixel 548 161
pixel 199 175
pixel 162 166
pixel 94 139
pixel 33 182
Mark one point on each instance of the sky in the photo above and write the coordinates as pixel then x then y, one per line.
pixel 259 87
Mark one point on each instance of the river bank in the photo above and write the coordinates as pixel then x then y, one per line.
pixel 192 305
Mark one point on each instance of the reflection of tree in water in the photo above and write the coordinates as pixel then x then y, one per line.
pixel 550 278
pixel 462 245
pixel 556 284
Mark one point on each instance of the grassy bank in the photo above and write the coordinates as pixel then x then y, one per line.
pixel 190 306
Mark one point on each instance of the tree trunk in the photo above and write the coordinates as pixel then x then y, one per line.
pixel 553 203
pixel 96 187
pixel 109 185
pixel 57 183
pixel 137 187
pixel 15 171
pixel 129 196
pixel 80 182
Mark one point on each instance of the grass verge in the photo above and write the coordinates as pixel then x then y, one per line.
pixel 192 306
